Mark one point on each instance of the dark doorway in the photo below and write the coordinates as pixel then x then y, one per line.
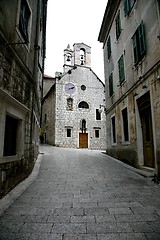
pixel 10 136
pixel 144 106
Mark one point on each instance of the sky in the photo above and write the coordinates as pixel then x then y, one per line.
pixel 70 22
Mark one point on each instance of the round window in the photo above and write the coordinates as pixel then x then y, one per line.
pixel 83 87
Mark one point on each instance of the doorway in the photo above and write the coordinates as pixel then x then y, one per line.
pixel 83 140
pixel 144 106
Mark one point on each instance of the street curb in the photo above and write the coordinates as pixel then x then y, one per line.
pixel 16 192
pixel 141 172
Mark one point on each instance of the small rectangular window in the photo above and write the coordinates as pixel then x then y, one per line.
pixel 118 25
pixel 125 124
pixel 10 139
pixel 98 115
pixel 113 127
pixel 68 132
pixel 96 133
pixel 121 69
pixel 111 85
pixel 45 118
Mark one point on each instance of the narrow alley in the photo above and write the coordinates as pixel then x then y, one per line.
pixel 84 194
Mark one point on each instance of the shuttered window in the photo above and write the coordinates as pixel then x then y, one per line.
pixel 109 47
pixel 139 43
pixel 118 25
pixel 128 5
pixel 111 85
pixel 24 20
pixel 121 69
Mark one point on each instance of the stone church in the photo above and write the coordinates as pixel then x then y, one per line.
pixel 73 108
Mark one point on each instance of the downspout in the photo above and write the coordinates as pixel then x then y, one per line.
pixel 35 70
pixel 44 56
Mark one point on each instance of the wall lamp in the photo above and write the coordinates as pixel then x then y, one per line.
pixel 100 108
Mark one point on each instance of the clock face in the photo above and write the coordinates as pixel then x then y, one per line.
pixel 70 88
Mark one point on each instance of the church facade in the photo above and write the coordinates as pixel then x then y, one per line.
pixel 71 109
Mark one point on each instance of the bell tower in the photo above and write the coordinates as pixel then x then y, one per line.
pixel 68 58
pixel 82 54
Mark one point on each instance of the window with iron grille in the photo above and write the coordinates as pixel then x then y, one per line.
pixel 121 69
pixel 24 20
pixel 139 43
pixel 111 85
pixel 118 25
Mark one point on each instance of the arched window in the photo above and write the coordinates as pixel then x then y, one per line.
pixel 83 125
pixel 82 56
pixel 83 104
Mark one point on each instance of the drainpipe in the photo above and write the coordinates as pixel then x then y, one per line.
pixel 44 54
pixel 35 69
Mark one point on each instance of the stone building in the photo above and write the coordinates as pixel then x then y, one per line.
pixel 130 33
pixel 22 52
pixel 71 116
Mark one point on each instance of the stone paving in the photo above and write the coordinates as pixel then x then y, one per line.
pixel 84 195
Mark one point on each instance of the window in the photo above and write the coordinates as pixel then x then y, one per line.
pixel 83 126
pixel 109 47
pixel 139 45
pixel 45 118
pixel 68 132
pixel 121 69
pixel 128 5
pixel 83 87
pixel 82 56
pixel 96 133
pixel 125 125
pixel 11 127
pixel 118 25
pixel 111 85
pixel 113 127
pixel 24 20
pixel 98 115
pixel 68 58
pixel 83 104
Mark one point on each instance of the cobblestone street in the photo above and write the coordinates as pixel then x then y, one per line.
pixel 84 195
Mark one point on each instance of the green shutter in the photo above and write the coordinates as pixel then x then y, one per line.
pixel 109 47
pixel 142 44
pixel 135 48
pixel 126 7
pixel 121 69
pixel 118 25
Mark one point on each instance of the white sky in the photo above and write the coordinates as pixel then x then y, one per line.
pixel 69 22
